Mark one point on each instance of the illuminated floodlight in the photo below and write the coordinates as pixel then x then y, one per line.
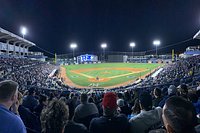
pixel 156 42
pixel 73 45
pixel 103 45
pixel 23 31
pixel 132 44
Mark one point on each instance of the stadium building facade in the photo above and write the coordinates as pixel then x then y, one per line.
pixel 12 45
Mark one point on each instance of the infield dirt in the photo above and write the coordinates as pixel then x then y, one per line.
pixel 67 81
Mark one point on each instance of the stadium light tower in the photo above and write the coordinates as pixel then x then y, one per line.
pixel 104 46
pixel 156 43
pixel 73 46
pixel 23 31
pixel 132 45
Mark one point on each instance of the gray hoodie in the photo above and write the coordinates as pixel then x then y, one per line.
pixel 146 120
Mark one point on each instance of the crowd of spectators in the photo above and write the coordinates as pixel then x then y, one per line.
pixel 28 73
pixel 169 102
pixel 182 71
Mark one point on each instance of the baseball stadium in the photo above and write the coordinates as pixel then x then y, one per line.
pixel 105 75
pixel 99 66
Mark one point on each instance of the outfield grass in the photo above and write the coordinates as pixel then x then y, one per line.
pixel 84 72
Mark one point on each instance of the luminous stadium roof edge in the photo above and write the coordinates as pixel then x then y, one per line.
pixel 197 35
pixel 4 34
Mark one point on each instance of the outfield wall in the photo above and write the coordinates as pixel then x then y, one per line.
pixel 123 57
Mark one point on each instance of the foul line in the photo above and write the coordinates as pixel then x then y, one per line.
pixel 123 75
pixel 82 74
pixel 112 77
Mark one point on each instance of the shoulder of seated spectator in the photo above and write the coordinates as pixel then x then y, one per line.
pixel 78 125
pixel 122 116
pixel 159 109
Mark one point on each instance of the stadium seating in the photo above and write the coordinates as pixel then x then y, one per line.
pixel 179 79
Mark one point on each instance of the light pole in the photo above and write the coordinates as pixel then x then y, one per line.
pixel 104 46
pixel 156 43
pixel 23 31
pixel 132 45
pixel 73 46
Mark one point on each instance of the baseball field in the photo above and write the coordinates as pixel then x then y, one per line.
pixel 105 75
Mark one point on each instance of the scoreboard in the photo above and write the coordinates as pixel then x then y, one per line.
pixel 87 58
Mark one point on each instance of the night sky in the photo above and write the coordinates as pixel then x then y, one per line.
pixel 54 24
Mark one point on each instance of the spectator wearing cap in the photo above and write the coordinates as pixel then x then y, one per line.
pixel 110 122
pixel 172 90
pixel 179 116
pixel 30 101
pixel 9 121
pixel 148 118
pixel 85 111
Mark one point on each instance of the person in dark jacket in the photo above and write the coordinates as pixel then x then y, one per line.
pixel 30 120
pixel 124 109
pixel 85 111
pixel 72 127
pixel 157 97
pixel 171 91
pixel 110 122
pixel 42 103
pixel 183 91
pixel 194 99
pixel 30 101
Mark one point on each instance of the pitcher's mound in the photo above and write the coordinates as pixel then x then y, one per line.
pixel 98 79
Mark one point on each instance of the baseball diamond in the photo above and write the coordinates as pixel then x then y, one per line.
pixel 106 75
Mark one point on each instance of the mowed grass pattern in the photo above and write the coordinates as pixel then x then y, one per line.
pixel 107 70
pixel 105 73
